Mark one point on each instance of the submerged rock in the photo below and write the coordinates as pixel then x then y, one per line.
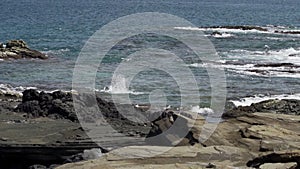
pixel 17 49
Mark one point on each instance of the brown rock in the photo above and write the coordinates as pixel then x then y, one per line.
pixel 17 49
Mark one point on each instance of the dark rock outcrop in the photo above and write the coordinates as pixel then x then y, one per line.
pixel 288 32
pixel 163 132
pixel 40 104
pixel 289 65
pixel 284 106
pixel 17 49
pixel 59 105
pixel 241 27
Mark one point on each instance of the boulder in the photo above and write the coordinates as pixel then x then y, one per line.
pixel 169 128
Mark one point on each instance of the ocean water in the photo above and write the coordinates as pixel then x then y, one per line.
pixel 61 28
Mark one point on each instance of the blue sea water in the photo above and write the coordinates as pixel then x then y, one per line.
pixel 61 28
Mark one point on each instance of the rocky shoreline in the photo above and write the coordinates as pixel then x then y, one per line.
pixel 41 130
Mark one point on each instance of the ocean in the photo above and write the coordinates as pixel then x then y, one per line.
pixel 258 64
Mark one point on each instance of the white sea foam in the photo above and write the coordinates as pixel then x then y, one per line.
pixel 18 91
pixel 222 30
pixel 247 101
pixel 269 30
pixel 202 111
pixel 110 89
pixel 251 69
pixel 245 61
pixel 223 35
pixel 119 86
pixel 289 55
pixel 56 52
pixel 189 28
pixel 8 89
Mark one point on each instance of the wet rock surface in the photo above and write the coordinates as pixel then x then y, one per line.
pixel 18 49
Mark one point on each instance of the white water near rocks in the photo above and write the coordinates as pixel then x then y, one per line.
pixel 247 101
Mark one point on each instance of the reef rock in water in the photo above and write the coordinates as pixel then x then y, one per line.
pixel 18 49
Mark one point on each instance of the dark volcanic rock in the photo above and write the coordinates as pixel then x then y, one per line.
pixel 288 32
pixel 59 105
pixel 291 65
pixel 32 108
pixel 30 95
pixel 17 49
pixel 284 106
pixel 55 105
pixel 162 130
pixel 242 27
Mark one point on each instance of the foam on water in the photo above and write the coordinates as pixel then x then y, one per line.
pixel 202 111
pixel 251 69
pixel 18 91
pixel 269 30
pixel 223 35
pixel 222 30
pixel 280 63
pixel 289 55
pixel 56 52
pixel 247 101
pixel 119 86
pixel 8 89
